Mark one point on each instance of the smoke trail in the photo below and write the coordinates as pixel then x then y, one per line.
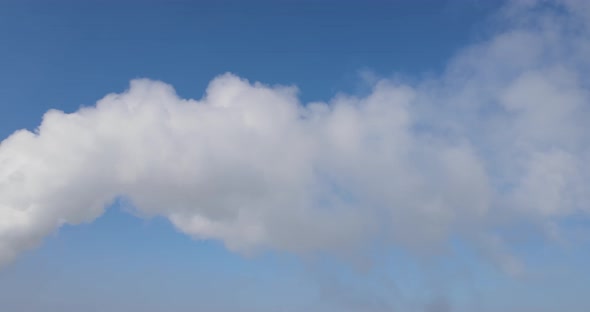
pixel 499 138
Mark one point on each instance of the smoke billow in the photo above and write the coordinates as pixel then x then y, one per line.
pixel 499 138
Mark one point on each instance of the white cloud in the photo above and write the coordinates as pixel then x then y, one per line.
pixel 501 136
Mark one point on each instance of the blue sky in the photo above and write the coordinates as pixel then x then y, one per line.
pixel 423 156
pixel 75 52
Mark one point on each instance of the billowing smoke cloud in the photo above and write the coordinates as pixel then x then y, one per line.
pixel 500 138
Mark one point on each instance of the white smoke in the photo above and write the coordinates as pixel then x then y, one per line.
pixel 500 138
